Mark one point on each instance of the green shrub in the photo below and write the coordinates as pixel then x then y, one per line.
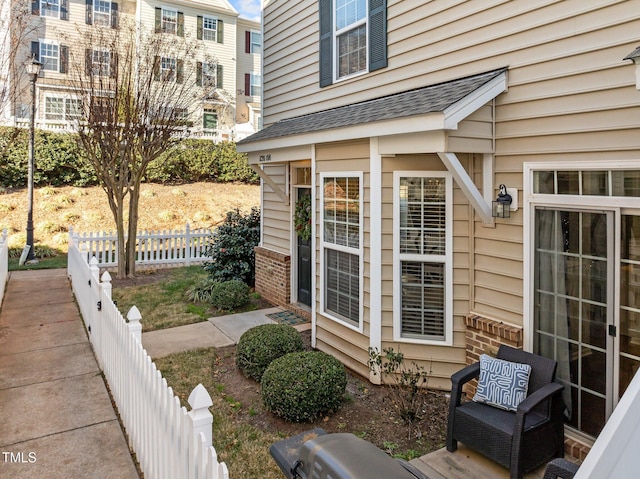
pixel 260 345
pixel 228 295
pixel 201 291
pixel 303 386
pixel 231 247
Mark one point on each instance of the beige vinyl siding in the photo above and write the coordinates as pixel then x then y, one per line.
pixel 276 215
pixel 246 63
pixel 332 336
pixel 570 97
pixel 522 35
pixel 224 53
pixel 442 361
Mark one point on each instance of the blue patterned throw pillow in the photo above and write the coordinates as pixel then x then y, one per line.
pixel 502 384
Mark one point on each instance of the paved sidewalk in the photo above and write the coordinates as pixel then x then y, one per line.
pixel 215 332
pixel 56 417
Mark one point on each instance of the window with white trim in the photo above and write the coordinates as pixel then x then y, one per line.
pixel 50 56
pixel 256 42
pixel 102 12
pixel 341 246
pixel 58 108
pixel 255 85
pixel 209 28
pixel 351 36
pixel 101 62
pixel 209 119
pixel 422 242
pixel 50 8
pixel 169 21
pixel 168 68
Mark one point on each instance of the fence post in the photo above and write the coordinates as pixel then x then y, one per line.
pixel 187 246
pixel 201 418
pixel 134 325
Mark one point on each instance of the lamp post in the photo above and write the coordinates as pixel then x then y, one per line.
pixel 33 69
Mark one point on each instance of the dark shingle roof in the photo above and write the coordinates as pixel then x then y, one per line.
pixel 429 99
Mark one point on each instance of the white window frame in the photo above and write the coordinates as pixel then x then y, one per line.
pixel 337 32
pixel 101 68
pixel 209 111
pixel 43 9
pixel 354 251
pixel 446 259
pixel 164 23
pixel 209 74
pixel 255 47
pixel 255 81
pixel 44 58
pixel 168 72
pixel 212 32
pixel 101 17
pixel 64 114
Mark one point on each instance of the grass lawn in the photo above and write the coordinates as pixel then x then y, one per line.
pixel 243 447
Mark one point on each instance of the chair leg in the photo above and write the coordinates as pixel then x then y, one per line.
pixel 452 444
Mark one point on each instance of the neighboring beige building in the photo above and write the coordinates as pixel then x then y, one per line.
pixel 248 78
pixel 401 119
pixel 59 26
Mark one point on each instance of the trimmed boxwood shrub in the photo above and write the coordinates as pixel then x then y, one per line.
pixel 301 387
pixel 229 294
pixel 260 345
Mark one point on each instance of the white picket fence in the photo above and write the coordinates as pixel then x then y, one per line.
pixel 4 262
pixel 169 442
pixel 153 248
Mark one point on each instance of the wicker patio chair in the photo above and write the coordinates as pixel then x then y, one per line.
pixel 519 441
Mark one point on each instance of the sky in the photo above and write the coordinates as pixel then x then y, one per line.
pixel 247 8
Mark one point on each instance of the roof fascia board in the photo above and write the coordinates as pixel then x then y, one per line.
pixel 463 108
pixel 279 155
pixel 409 124
pixel 413 143
pixel 467 186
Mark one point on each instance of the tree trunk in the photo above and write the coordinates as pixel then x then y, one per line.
pixel 133 227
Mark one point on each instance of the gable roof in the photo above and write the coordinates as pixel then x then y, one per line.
pixel 419 101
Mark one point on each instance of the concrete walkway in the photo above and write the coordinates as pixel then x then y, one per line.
pixel 56 417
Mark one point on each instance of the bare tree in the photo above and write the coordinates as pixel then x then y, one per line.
pixel 16 27
pixel 139 91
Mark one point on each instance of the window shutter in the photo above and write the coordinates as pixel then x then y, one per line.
pixel 180 31
pixel 247 42
pixel 199 28
pixel 64 59
pixel 220 38
pixel 199 73
pixel 326 43
pixel 35 7
pixel 377 34
pixel 219 81
pixel 113 65
pixel 89 18
pixel 114 15
pixel 247 84
pixel 35 50
pixel 88 61
pixel 179 71
pixel 158 19
pixel 64 10
pixel 156 68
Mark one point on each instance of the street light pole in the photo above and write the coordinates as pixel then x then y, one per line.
pixel 33 69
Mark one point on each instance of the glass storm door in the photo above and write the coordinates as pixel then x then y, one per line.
pixel 574 312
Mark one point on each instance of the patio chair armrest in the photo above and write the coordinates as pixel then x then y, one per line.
pixel 465 375
pixel 560 468
pixel 539 396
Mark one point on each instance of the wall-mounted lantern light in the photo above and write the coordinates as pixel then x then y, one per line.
pixel 501 207
pixel 634 56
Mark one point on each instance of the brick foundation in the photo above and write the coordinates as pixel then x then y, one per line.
pixel 273 276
